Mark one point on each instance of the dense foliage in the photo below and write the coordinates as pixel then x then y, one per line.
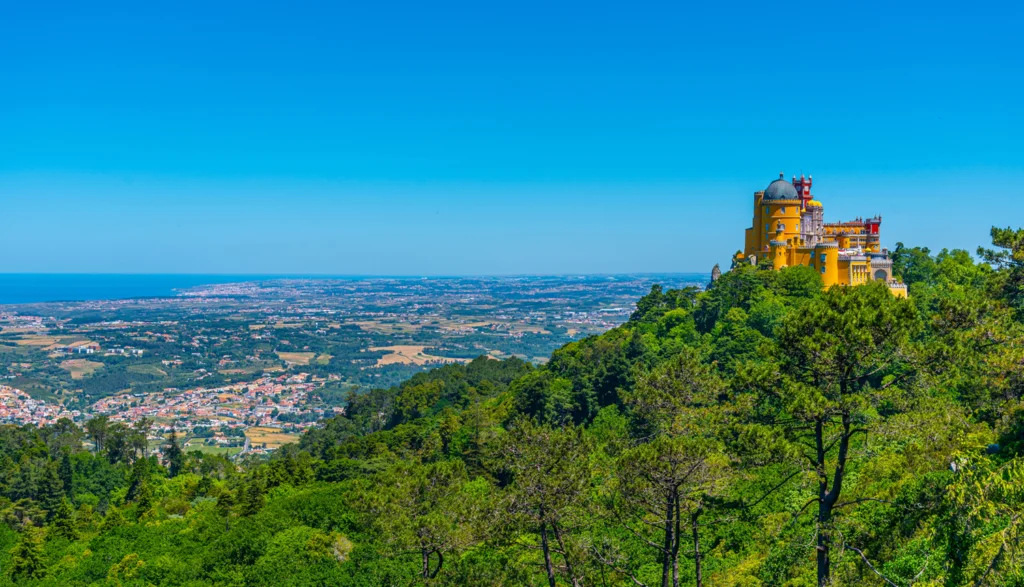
pixel 762 432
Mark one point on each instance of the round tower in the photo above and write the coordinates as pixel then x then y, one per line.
pixel 779 254
pixel 826 259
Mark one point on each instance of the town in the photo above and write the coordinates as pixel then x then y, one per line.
pixel 242 368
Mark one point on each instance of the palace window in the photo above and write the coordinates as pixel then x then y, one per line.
pixel 822 268
pixel 783 209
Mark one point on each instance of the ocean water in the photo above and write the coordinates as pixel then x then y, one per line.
pixel 23 288
pixel 29 288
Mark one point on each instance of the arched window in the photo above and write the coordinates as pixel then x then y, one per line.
pixel 881 275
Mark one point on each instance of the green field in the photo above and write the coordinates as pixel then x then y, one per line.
pixel 197 444
pixel 147 370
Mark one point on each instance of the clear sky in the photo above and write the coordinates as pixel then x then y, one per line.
pixel 491 137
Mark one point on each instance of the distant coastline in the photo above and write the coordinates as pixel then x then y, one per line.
pixel 31 288
pixel 36 288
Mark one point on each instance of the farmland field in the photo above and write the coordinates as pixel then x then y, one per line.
pixel 271 437
pixel 36 340
pixel 410 354
pixel 80 368
pixel 296 358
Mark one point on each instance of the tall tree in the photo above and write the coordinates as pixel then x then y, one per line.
pixel 663 488
pixel 681 406
pixel 64 436
pixel 119 443
pixel 27 555
pixel 97 429
pixel 49 488
pixel 550 473
pixel 64 521
pixel 174 455
pixel 431 510
pixel 138 479
pixel 1008 257
pixel 983 529
pixel 842 356
pixel 252 498
pixel 140 437
pixel 66 471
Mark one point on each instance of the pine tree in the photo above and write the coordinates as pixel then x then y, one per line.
pixel 64 521
pixel 225 502
pixel 23 484
pixel 49 489
pixel 144 501
pixel 252 499
pixel 113 519
pixel 175 456
pixel 845 353
pixel 139 438
pixel 550 469
pixel 27 555
pixel 67 474
pixel 139 477
pixel 97 429
pixel 674 476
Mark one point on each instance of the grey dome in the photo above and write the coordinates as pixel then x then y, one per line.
pixel 780 189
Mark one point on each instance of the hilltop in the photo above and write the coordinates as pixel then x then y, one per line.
pixel 766 431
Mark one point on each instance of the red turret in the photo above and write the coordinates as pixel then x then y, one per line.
pixel 871 224
pixel 803 188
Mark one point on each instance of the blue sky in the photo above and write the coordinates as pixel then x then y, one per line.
pixel 490 137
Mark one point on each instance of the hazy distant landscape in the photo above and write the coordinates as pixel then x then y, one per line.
pixel 318 338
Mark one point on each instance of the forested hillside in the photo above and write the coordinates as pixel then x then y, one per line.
pixel 762 432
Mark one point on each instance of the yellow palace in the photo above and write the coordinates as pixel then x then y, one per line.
pixel 789 229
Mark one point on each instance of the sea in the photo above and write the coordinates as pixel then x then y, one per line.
pixel 26 288
pixel 32 288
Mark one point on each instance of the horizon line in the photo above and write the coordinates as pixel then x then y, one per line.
pixel 355 275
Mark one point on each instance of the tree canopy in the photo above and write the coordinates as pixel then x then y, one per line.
pixel 763 431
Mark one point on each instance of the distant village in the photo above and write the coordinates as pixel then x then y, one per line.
pixel 210 413
pixel 217 362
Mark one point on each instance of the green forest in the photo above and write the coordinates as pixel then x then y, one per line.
pixel 761 432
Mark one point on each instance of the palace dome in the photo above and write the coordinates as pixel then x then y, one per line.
pixel 780 189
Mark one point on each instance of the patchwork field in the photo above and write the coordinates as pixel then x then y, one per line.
pixel 271 437
pixel 80 368
pixel 40 340
pixel 387 327
pixel 296 358
pixel 411 354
